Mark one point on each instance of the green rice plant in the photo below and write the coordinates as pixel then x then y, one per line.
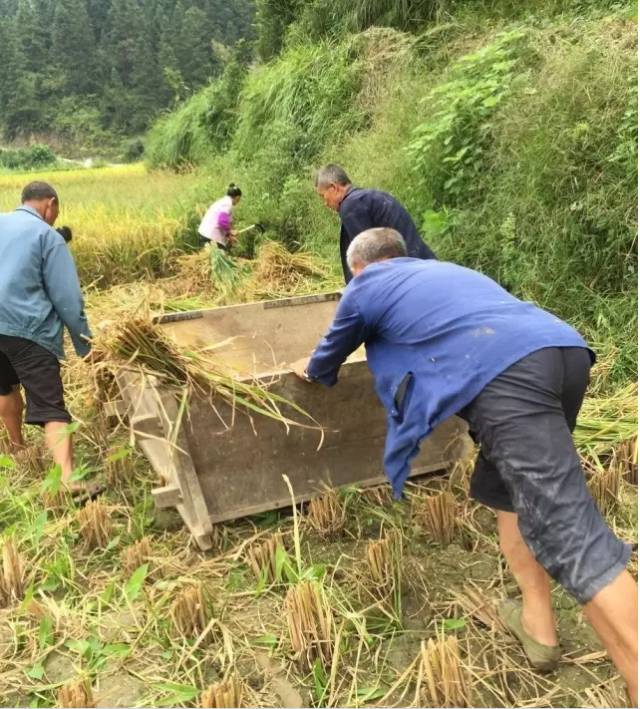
pixel 226 273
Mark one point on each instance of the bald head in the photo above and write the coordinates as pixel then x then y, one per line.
pixel 374 245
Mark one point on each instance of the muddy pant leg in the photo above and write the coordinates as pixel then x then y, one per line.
pixel 521 425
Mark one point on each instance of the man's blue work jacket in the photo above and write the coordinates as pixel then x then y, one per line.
pixel 39 288
pixel 441 331
pixel 363 209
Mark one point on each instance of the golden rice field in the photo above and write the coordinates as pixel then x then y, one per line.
pixel 124 219
pixel 353 601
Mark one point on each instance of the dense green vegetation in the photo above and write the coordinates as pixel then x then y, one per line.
pixel 82 74
pixel 35 156
pixel 510 134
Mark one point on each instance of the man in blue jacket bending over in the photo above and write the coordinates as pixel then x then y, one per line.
pixel 39 295
pixel 362 209
pixel 442 340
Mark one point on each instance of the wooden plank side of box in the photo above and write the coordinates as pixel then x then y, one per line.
pixel 240 469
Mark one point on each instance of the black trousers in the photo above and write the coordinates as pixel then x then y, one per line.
pixel 528 464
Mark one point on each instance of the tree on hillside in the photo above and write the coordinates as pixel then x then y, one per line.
pixel 73 50
pixel 193 48
pixel 98 11
pixel 32 34
pixel 11 62
pixel 133 83
pixel 122 61
pixel 273 17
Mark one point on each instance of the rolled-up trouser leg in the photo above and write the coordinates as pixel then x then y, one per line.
pixel 520 423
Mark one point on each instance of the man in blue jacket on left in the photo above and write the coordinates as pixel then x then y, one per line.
pixel 39 295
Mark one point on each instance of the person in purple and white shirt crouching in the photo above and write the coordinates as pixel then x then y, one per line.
pixel 216 226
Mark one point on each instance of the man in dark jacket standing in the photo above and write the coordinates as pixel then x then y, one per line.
pixel 361 209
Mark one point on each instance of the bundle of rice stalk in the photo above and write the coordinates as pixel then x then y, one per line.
pixel 135 555
pixel 378 495
pixel 384 560
pixel 139 343
pixel 226 273
pixel 625 455
pixel 194 270
pixel 310 623
pixel 117 465
pixel 190 611
pixel 261 557
pixel 279 272
pixel 31 459
pixel 437 516
pixel 225 694
pixel 12 583
pixel 95 524
pixel 326 514
pixel 603 482
pixel 605 422
pixel 443 681
pixel 76 694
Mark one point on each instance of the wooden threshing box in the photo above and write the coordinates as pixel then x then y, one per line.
pixel 213 472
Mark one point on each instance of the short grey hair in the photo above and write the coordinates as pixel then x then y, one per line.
pixel 375 245
pixel 331 174
pixel 36 191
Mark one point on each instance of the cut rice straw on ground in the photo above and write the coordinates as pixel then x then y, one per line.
pixel 76 694
pixel 443 679
pixel 222 694
pixel 279 272
pixel 12 582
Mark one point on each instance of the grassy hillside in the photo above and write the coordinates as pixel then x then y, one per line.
pixel 513 142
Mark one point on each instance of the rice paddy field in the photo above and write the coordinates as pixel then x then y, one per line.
pixel 350 600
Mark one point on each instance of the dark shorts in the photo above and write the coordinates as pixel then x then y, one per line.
pixel 528 464
pixel 38 370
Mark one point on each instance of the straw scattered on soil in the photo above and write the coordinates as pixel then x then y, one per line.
pixel 370 608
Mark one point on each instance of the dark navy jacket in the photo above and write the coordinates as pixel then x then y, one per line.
pixel 365 209
pixel 441 331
